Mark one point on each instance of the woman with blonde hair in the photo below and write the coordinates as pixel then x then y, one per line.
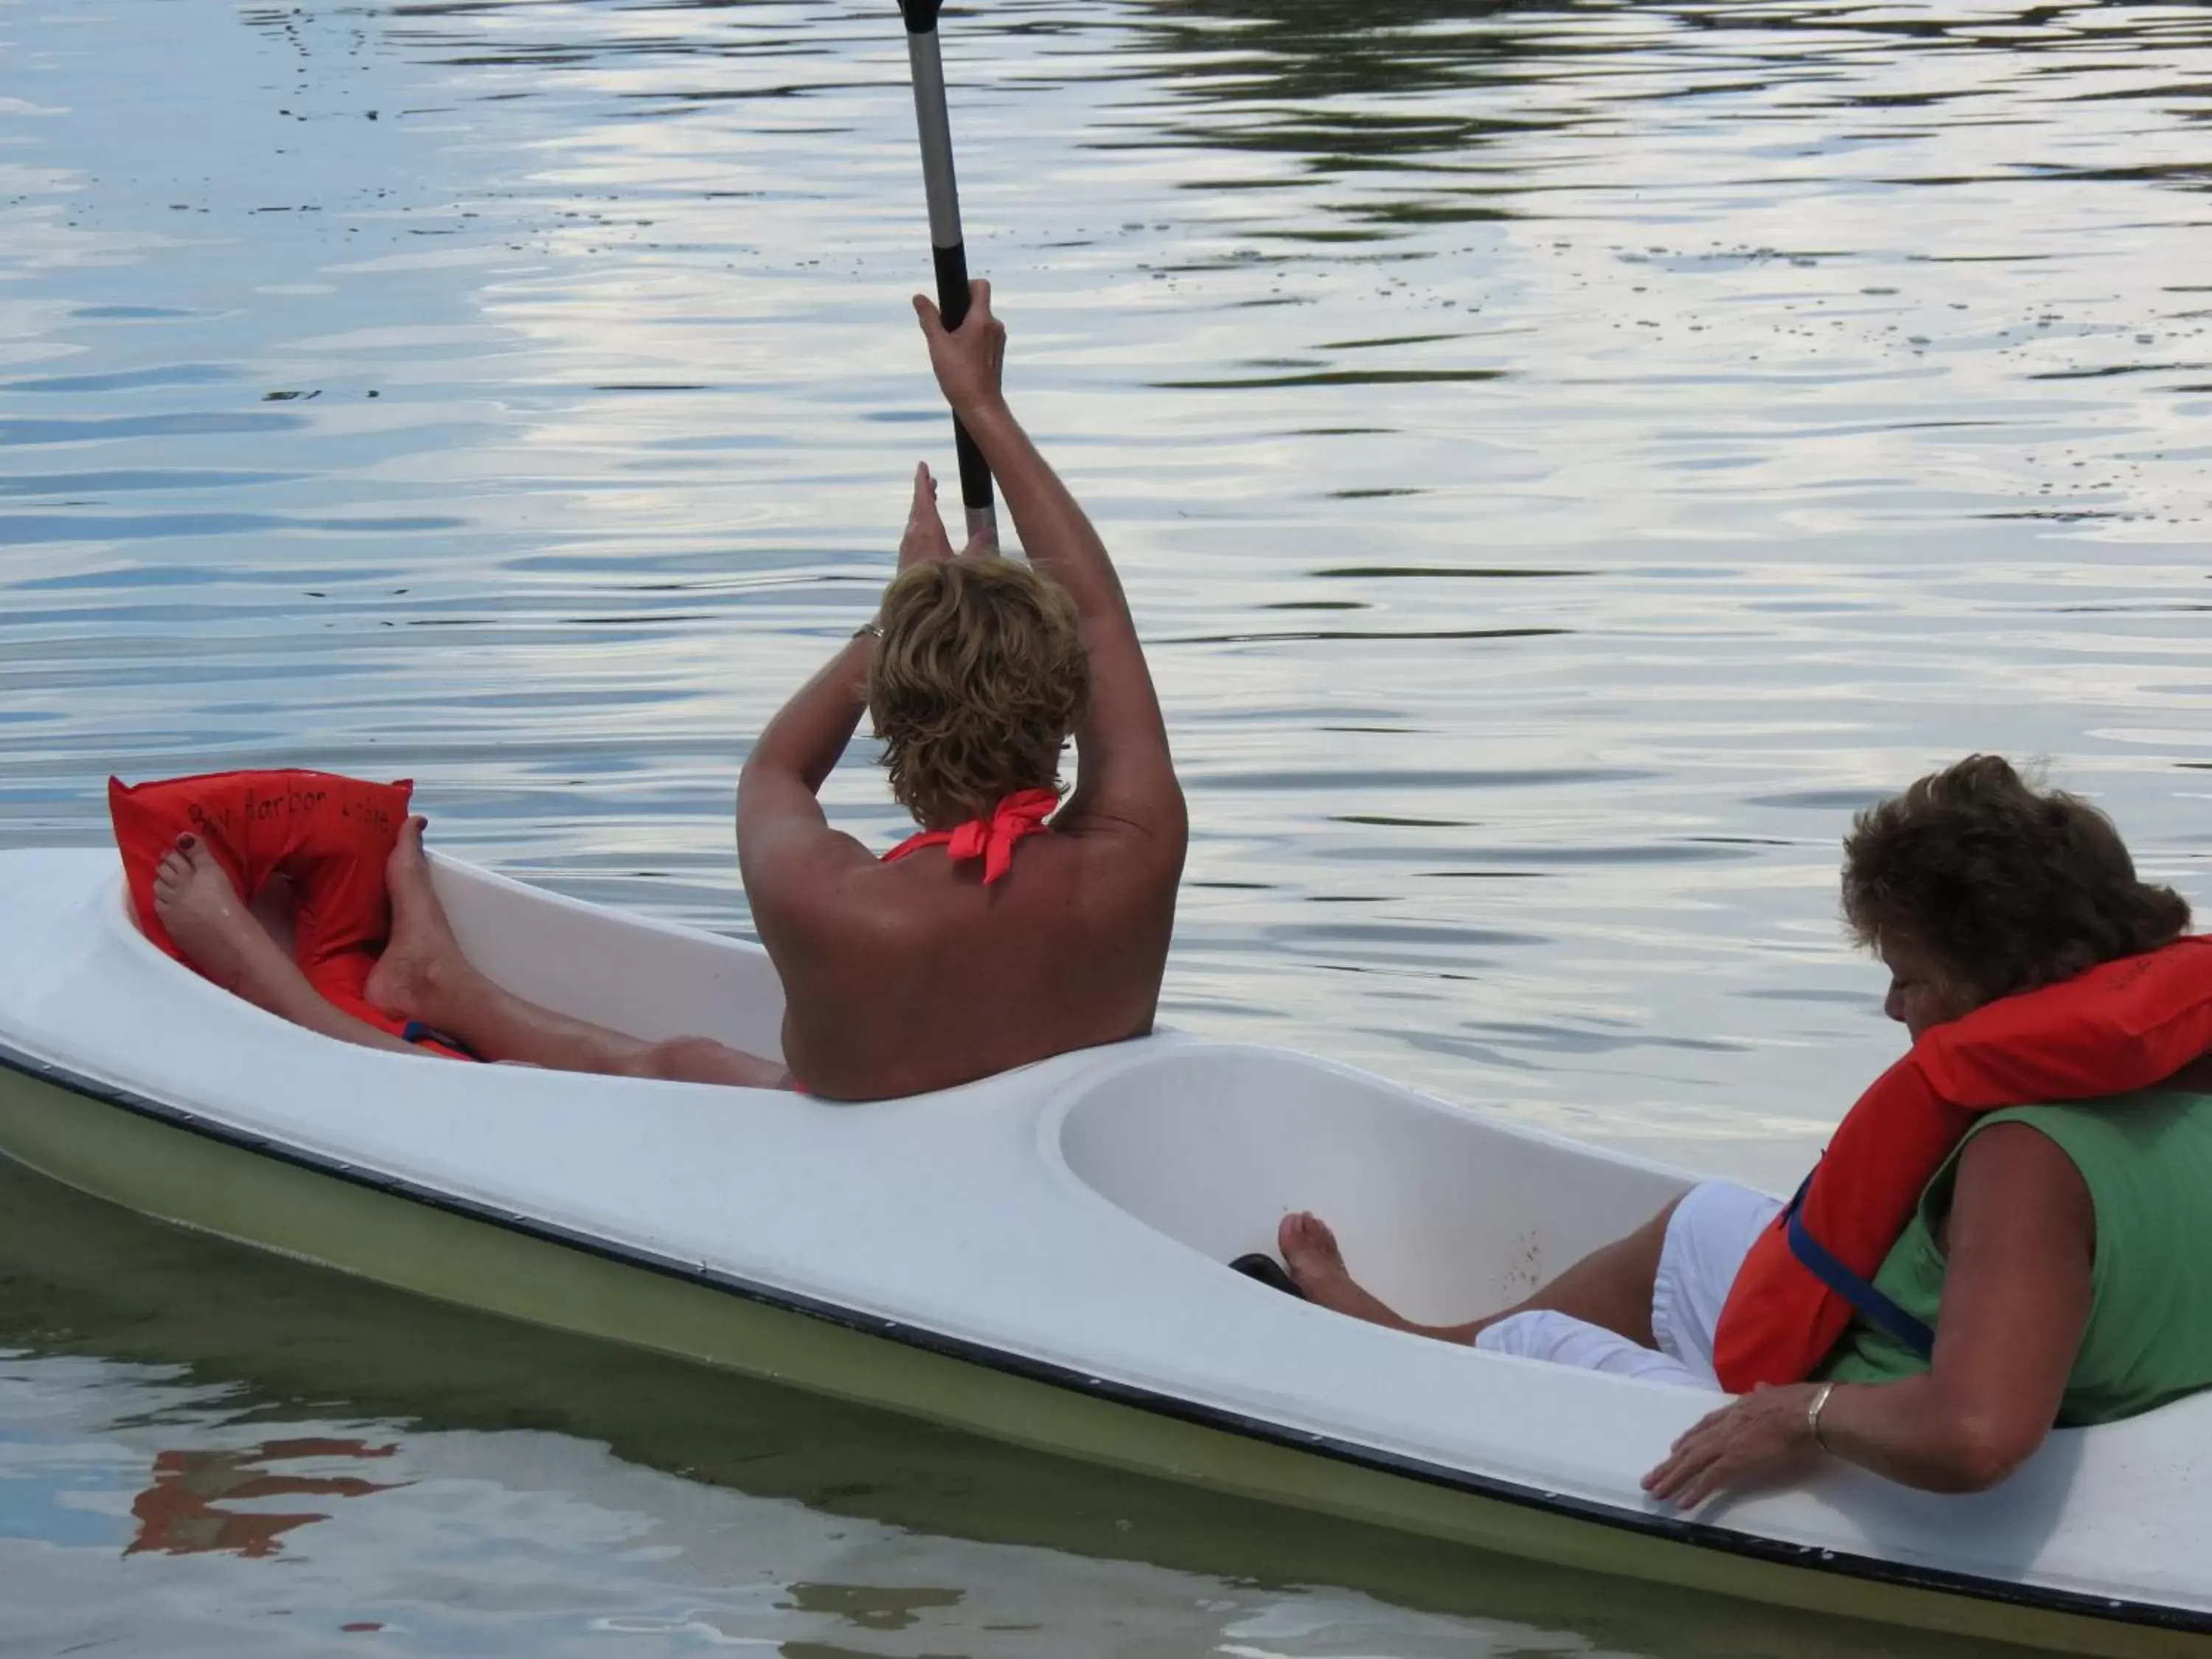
pixel 1011 928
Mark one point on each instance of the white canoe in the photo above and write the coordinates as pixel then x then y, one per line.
pixel 1036 1257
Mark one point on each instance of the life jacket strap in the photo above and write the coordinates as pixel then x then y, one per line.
pixel 1869 1304
pixel 417 1032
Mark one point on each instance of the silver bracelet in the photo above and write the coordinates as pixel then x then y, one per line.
pixel 1814 1408
pixel 873 630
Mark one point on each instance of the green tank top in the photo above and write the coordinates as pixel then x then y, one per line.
pixel 2147 1160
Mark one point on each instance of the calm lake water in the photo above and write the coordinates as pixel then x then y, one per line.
pixel 1563 458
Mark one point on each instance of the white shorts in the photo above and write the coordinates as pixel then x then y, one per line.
pixel 1709 1234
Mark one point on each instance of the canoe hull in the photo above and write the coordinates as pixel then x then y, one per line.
pixel 133 1154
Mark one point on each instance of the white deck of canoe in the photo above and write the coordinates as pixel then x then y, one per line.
pixel 1074 1214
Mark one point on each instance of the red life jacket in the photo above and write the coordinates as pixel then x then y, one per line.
pixel 2122 1025
pixel 329 834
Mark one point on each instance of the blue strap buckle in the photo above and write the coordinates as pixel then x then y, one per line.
pixel 1869 1304
pixel 416 1031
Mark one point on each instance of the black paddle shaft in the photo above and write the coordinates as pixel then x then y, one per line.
pixel 948 251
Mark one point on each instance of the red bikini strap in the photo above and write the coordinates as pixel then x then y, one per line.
pixel 991 839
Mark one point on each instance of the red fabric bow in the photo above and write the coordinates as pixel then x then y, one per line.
pixel 991 839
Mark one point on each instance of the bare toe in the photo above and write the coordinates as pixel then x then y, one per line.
pixel 195 853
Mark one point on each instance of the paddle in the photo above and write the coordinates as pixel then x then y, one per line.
pixel 950 253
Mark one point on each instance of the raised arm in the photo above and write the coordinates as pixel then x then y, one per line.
pixel 2016 1295
pixel 785 843
pixel 1124 770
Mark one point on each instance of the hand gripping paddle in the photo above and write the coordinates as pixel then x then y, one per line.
pixel 950 253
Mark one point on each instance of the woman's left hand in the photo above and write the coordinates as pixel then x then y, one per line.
pixel 925 540
pixel 1756 1440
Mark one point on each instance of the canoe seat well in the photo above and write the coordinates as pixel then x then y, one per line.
pixel 644 977
pixel 615 969
pixel 1444 1214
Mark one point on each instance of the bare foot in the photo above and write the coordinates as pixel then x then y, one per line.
pixel 1310 1251
pixel 423 959
pixel 229 943
pixel 204 916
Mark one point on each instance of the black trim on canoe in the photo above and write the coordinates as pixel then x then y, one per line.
pixel 1674 1529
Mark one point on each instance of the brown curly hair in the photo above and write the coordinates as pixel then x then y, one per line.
pixel 979 678
pixel 2006 887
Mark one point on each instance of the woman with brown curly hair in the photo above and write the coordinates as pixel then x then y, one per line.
pixel 922 969
pixel 2062 1255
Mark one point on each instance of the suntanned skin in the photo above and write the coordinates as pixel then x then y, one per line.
pixel 2021 1240
pixel 423 974
pixel 898 979
pixel 232 945
pixel 906 978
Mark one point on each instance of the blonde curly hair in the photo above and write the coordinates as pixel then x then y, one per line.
pixel 979 678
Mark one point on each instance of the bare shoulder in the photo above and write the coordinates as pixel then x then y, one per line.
pixel 2015 1151
pixel 815 893
pixel 1146 835
pixel 838 891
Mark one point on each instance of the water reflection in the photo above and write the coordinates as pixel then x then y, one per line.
pixel 505 1490
pixel 182 1512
